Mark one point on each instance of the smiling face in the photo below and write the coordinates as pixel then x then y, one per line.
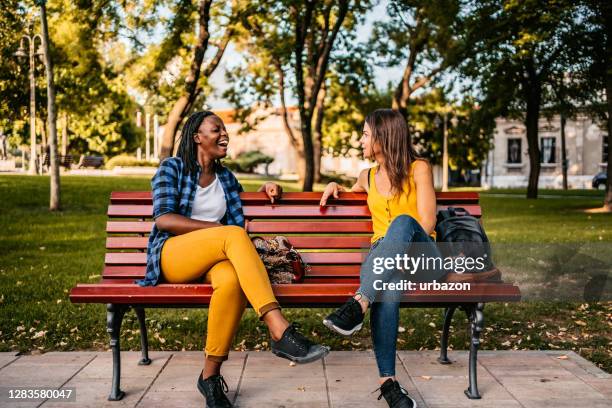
pixel 212 138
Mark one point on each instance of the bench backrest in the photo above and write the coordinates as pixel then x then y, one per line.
pixel 91 161
pixel 64 161
pixel 333 240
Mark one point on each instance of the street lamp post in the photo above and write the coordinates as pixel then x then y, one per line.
pixel 438 122
pixel 21 53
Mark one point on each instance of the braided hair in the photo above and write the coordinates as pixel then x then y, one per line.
pixel 187 150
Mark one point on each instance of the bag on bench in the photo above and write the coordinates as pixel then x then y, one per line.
pixel 283 263
pixel 462 235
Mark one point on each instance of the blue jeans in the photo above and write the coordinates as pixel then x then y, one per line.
pixel 384 311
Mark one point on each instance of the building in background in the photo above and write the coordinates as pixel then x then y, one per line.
pixel 507 164
pixel 270 138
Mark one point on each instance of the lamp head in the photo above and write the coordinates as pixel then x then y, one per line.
pixel 21 53
pixel 437 121
pixel 40 53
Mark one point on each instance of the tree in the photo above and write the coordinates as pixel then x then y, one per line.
pixel 296 39
pixel 192 89
pixel 519 49
pixel 55 192
pixel 421 35
pixel 595 77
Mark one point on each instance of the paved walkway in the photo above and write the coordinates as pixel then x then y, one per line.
pixel 345 379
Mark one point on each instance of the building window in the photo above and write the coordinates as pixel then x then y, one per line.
pixel 605 148
pixel 547 150
pixel 514 151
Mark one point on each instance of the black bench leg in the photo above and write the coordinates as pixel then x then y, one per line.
pixel 114 318
pixel 476 318
pixel 448 318
pixel 144 340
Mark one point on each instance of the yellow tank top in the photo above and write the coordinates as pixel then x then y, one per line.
pixel 385 209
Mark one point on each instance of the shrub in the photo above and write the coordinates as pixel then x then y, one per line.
pixel 247 161
pixel 129 161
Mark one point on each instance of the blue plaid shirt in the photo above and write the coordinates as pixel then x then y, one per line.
pixel 173 192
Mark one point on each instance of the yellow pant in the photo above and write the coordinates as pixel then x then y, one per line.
pixel 229 261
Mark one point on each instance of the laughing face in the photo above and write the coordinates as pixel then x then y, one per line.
pixel 212 137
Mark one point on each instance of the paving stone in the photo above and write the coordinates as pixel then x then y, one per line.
pixel 102 365
pixel 7 358
pixel 445 390
pixel 419 363
pixel 604 386
pixel 269 381
pixel 46 370
pixel 355 383
pixel 536 388
pixel 580 367
pixel 345 358
pixel 181 376
pixel 556 403
pixel 93 393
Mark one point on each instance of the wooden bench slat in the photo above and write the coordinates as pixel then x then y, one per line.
pixel 140 258
pixel 253 198
pixel 329 242
pixel 293 294
pixel 277 211
pixel 129 227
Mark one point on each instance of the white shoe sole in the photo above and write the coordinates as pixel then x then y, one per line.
pixel 332 326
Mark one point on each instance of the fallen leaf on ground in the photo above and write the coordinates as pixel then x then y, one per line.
pixel 564 357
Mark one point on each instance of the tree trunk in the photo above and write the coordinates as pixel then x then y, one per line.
pixel 531 124
pixel 318 134
pixel 183 105
pixel 308 153
pixel 64 134
pixel 54 199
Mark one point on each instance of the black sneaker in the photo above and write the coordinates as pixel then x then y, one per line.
pixel 395 395
pixel 297 348
pixel 347 319
pixel 214 389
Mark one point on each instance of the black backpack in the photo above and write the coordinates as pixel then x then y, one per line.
pixel 461 235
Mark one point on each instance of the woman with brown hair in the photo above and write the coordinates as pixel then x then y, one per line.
pixel 402 201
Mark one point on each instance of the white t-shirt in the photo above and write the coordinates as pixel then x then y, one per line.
pixel 209 202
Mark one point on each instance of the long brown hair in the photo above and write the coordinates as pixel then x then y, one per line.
pixel 390 131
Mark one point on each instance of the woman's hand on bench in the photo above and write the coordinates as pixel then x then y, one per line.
pixel 332 189
pixel 272 190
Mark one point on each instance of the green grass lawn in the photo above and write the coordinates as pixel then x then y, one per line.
pixel 44 254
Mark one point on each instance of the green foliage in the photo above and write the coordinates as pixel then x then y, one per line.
pixel 88 61
pixel 425 30
pixel 128 161
pixel 514 41
pixel 469 139
pixel 247 161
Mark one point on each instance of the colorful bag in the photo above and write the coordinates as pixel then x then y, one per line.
pixel 283 263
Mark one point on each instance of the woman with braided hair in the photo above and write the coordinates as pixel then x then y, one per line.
pixel 199 234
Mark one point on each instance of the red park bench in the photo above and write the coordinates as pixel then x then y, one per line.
pixel 334 275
